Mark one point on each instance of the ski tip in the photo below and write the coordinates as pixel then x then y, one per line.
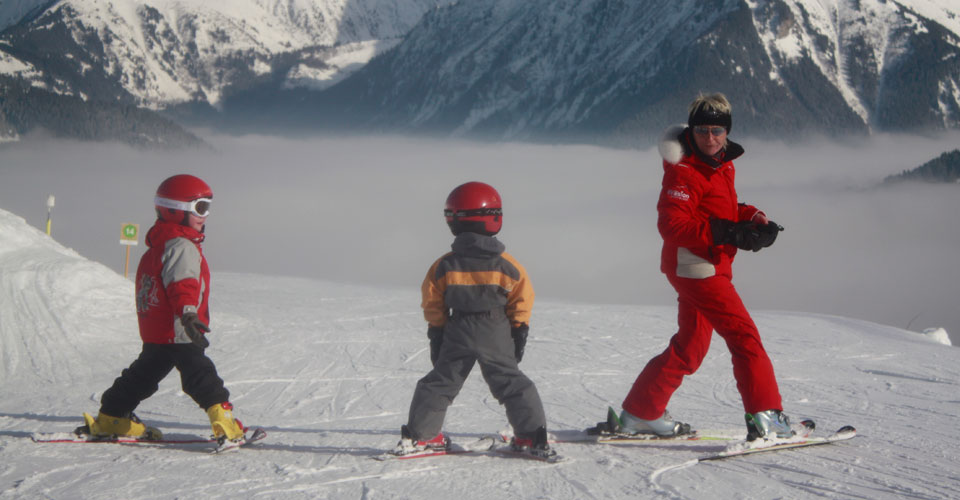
pixel 847 429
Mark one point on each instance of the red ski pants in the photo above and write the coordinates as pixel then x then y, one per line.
pixel 705 305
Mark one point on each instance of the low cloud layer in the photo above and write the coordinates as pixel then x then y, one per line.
pixel 582 219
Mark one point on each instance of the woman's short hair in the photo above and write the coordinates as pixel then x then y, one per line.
pixel 712 102
pixel 712 109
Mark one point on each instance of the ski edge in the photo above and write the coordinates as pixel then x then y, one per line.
pixel 844 433
pixel 55 438
pixel 605 432
pixel 64 437
pixel 601 434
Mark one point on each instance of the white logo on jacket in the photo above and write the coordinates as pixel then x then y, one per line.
pixel 678 195
pixel 147 293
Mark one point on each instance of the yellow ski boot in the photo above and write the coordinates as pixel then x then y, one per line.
pixel 225 427
pixel 108 426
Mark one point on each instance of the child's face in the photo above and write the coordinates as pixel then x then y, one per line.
pixel 196 222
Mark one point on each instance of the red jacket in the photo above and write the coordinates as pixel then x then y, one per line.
pixel 696 189
pixel 172 278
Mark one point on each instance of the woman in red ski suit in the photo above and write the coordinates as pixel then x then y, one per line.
pixel 702 225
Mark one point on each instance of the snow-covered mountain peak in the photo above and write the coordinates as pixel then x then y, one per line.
pixel 514 69
pixel 173 51
pixel 850 41
pixel 945 12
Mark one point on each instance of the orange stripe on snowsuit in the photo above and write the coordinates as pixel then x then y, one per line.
pixel 472 278
pixel 505 274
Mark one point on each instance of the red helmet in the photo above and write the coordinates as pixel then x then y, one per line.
pixel 474 207
pixel 181 195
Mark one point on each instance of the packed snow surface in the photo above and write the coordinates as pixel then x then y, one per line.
pixel 328 369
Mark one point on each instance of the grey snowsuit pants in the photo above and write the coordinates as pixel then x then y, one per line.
pixel 471 338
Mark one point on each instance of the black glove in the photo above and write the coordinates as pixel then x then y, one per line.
pixel 435 334
pixel 519 334
pixel 768 233
pixel 195 329
pixel 745 235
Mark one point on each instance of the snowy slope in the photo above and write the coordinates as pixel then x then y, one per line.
pixel 329 368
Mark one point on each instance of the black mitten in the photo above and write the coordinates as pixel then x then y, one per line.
pixel 435 334
pixel 721 229
pixel 195 329
pixel 519 334
pixel 768 233
pixel 744 235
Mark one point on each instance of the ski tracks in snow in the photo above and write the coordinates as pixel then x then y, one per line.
pixel 329 370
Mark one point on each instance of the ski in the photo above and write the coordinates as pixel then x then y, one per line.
pixel 69 437
pixel 608 432
pixel 762 445
pixel 483 444
pixel 653 439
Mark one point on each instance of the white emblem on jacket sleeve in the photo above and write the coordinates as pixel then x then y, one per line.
pixel 678 194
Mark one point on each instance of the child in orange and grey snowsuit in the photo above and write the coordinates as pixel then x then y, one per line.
pixel 477 301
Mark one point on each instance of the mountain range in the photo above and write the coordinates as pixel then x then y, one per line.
pixel 604 71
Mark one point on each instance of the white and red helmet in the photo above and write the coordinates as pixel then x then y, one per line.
pixel 181 195
pixel 474 207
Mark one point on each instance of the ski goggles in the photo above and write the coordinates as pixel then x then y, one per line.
pixel 199 207
pixel 704 130
pixel 475 212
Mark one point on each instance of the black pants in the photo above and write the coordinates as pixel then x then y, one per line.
pixel 198 377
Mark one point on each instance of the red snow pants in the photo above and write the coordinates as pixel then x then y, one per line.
pixel 705 305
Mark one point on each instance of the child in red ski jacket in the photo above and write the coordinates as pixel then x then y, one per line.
pixel 173 290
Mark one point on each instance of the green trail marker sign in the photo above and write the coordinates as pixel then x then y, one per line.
pixel 129 234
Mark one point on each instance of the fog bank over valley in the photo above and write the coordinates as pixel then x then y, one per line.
pixel 582 219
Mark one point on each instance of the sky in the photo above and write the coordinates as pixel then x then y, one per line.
pixel 581 219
